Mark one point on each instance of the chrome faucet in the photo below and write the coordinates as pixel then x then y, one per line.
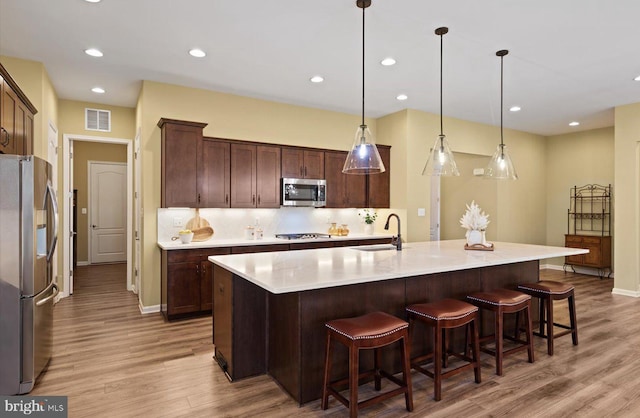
pixel 396 241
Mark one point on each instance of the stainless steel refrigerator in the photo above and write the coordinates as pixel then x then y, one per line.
pixel 28 236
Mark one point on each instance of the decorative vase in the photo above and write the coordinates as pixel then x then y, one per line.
pixel 333 230
pixel 344 230
pixel 368 229
pixel 474 237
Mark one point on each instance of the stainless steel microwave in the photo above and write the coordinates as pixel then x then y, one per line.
pixel 304 192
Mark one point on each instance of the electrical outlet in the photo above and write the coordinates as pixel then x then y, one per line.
pixel 178 222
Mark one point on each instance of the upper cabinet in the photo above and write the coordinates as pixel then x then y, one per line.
pixel 302 163
pixel 255 176
pixel 16 117
pixel 182 165
pixel 203 172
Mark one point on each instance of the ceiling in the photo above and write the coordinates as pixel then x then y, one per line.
pixel 570 60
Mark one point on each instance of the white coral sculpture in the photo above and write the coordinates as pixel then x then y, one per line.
pixel 474 219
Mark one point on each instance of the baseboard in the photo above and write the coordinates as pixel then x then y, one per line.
pixel 83 263
pixel 624 292
pixel 148 309
pixel 581 270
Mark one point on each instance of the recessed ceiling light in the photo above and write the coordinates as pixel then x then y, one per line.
pixel 515 108
pixel 388 61
pixel 316 79
pixel 98 90
pixel 92 1
pixel 637 78
pixel 198 53
pixel 93 52
pixel 402 97
pixel 574 123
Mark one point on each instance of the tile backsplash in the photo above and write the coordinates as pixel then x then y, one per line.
pixel 231 223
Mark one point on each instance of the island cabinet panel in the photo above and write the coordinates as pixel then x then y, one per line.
pixel 240 334
pixel 302 163
pixel 181 167
pixel 216 173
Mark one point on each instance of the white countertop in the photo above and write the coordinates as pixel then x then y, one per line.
pixel 213 242
pixel 293 271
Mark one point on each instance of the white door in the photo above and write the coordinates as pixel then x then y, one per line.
pixel 138 211
pixel 108 212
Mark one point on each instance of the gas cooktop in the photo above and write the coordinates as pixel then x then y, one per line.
pixel 304 235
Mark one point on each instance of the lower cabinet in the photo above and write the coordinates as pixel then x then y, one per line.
pixel 187 286
pixel 187 277
pixel 599 255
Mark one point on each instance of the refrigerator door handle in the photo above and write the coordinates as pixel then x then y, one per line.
pixel 51 296
pixel 54 203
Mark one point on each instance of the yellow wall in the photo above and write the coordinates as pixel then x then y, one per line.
pixel 626 234
pixel 123 119
pixel 83 152
pixel 572 160
pixel 228 116
pixel 520 204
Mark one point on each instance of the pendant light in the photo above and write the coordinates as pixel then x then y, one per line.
pixel 364 157
pixel 440 161
pixel 500 167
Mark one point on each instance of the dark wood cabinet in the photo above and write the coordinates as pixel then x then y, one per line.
pixel 599 255
pixel 302 163
pixel 182 166
pixel 216 173
pixel 379 185
pixel 255 176
pixel 343 190
pixel 16 117
pixel 186 282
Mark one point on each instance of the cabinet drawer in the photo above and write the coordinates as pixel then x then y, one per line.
pixel 591 240
pixel 259 248
pixel 215 251
pixel 573 239
pixel 179 256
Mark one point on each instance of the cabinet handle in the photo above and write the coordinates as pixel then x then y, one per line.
pixel 253 199
pixel 221 288
pixel 258 200
pixel 305 171
pixel 198 197
pixel 301 171
pixel 6 139
pixel 226 198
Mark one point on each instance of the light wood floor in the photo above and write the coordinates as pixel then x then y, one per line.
pixel 111 361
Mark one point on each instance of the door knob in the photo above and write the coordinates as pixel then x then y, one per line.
pixel 94 226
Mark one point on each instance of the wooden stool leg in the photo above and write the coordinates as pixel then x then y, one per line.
pixel 377 359
pixel 445 349
pixel 327 373
pixel 353 381
pixel 541 316
pixel 549 303
pixel 498 339
pixel 529 326
pixel 437 363
pixel 476 350
pixel 574 322
pixel 406 372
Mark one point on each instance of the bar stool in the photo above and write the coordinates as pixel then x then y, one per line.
pixel 370 331
pixel 500 302
pixel 444 315
pixel 547 291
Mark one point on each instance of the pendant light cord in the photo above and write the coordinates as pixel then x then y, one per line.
pixel 501 99
pixel 441 128
pixel 363 67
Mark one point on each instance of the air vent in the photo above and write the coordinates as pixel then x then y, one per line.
pixel 97 120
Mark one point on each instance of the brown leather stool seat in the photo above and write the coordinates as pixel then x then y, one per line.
pixel 370 331
pixel 504 301
pixel 442 316
pixel 547 291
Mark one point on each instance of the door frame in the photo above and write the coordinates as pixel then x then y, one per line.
pixel 67 196
pixel 90 165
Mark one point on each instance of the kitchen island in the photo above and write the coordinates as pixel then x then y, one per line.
pixel 270 308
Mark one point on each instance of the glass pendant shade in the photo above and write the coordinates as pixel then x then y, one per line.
pixel 500 167
pixel 441 162
pixel 364 157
